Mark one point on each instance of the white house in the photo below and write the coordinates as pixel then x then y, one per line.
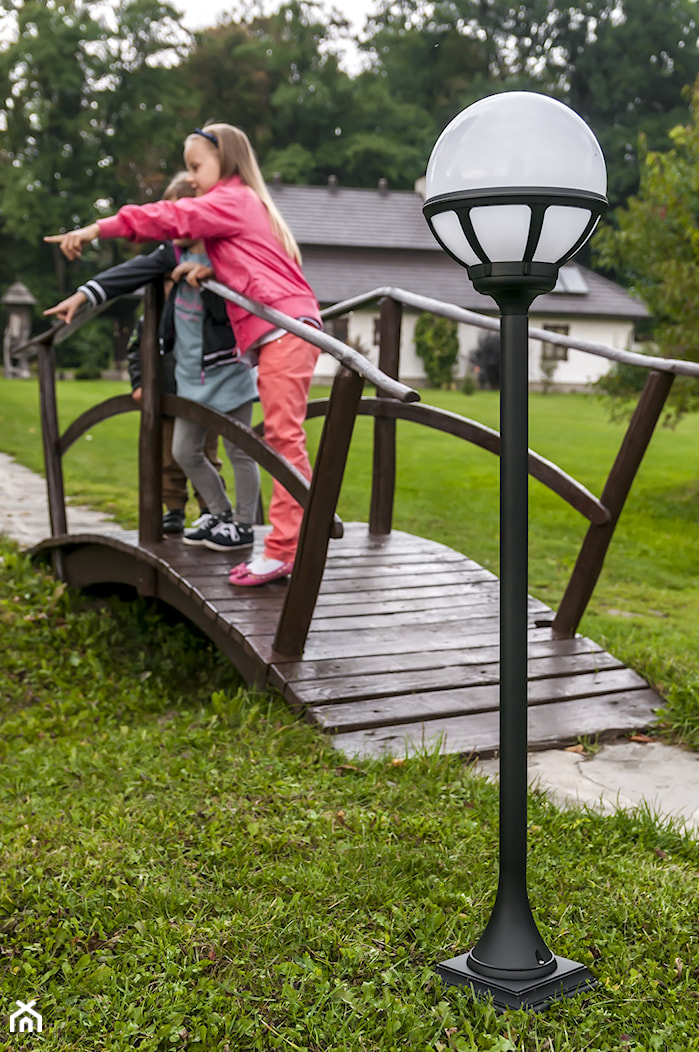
pixel 356 240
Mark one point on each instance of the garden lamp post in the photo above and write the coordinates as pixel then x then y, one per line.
pixel 515 186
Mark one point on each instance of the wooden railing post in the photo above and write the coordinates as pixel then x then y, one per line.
pixel 46 367
pixel 150 440
pixel 304 585
pixel 383 482
pixel 598 537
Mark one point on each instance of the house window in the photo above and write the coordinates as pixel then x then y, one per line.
pixel 551 352
pixel 377 332
pixel 339 328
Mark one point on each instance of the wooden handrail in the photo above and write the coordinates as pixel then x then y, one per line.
pixel 482 321
pixel 345 355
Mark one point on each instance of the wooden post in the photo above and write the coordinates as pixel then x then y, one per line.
pixel 302 593
pixel 598 538
pixel 46 365
pixel 383 483
pixel 150 441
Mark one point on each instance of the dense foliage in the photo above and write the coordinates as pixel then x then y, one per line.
pixel 97 98
pixel 437 345
pixel 654 244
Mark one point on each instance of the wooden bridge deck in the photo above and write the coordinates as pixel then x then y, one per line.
pixel 403 648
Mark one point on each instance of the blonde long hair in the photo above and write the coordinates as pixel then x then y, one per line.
pixel 237 157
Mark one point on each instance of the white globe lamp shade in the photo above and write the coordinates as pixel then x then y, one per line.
pixel 517 176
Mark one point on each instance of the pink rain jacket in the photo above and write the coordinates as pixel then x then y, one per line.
pixel 243 250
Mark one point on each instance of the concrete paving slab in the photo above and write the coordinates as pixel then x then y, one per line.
pixel 619 776
pixel 24 513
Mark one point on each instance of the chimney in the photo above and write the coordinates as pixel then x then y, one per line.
pixel 332 184
pixel 383 187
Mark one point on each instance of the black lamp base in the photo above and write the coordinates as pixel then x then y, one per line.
pixel 569 978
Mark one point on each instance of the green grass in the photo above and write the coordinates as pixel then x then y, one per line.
pixel 186 866
pixel 646 605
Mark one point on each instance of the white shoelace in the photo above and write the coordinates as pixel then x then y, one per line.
pixel 228 528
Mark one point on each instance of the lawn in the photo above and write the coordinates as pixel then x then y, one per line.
pixel 646 606
pixel 188 867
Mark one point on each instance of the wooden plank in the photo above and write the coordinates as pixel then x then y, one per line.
pixel 305 669
pixel 352 603
pixel 472 697
pixel 549 726
pixel 359 568
pixel 354 644
pixel 352 597
pixel 454 614
pixel 447 676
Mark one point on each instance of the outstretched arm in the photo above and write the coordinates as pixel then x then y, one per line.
pixel 67 309
pixel 71 244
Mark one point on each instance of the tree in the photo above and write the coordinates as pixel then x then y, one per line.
pixel 49 158
pixel 628 67
pixel 653 242
pixel 621 64
pixel 278 77
pixel 89 114
pixel 437 344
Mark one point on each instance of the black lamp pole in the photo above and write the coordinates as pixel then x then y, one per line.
pixel 531 137
pixel 511 961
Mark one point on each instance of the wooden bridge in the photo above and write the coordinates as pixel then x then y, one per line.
pixel 387 641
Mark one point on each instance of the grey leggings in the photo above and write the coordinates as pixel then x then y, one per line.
pixel 188 440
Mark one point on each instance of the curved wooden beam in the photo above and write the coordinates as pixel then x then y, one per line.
pixel 541 469
pixel 95 415
pixel 247 438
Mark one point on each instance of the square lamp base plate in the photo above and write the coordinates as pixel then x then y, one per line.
pixel 570 978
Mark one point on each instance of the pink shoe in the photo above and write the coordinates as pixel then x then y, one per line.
pixel 241 575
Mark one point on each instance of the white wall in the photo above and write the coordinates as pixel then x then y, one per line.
pixel 580 369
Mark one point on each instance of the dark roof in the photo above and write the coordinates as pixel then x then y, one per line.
pixel 326 215
pixel 341 273
pixel 355 240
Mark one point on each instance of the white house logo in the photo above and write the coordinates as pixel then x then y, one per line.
pixel 26 1019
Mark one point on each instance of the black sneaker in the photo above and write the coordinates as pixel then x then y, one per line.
pixel 201 529
pixel 226 536
pixel 173 521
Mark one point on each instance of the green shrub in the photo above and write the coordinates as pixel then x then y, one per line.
pixel 437 345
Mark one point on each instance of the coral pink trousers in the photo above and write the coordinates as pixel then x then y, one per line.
pixel 284 376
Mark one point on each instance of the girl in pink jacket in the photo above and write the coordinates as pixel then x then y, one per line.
pixel 252 250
